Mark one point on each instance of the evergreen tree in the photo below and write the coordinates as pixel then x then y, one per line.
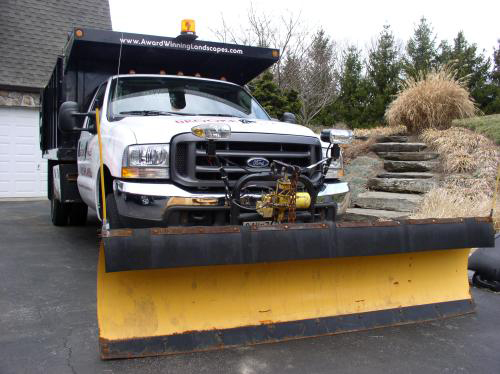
pixel 469 64
pixel 383 73
pixel 275 101
pixel 495 74
pixel 421 50
pixel 493 88
pixel 350 105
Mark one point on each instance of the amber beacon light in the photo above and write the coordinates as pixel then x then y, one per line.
pixel 188 32
pixel 188 27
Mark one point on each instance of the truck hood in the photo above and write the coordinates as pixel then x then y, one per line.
pixel 161 129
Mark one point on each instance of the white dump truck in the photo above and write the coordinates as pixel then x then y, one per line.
pixel 159 99
pixel 219 223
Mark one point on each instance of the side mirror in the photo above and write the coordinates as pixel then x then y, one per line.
pixel 68 114
pixel 288 117
pixel 336 136
pixel 67 122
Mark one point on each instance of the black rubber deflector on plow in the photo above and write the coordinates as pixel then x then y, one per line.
pixel 156 248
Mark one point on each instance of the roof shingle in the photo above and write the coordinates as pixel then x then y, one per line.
pixel 33 33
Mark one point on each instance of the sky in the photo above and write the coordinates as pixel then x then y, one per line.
pixel 353 21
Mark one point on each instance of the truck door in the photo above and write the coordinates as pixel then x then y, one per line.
pixel 85 153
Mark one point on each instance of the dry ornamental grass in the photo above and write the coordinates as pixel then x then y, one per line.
pixel 464 151
pixel 454 202
pixel 432 101
pixel 470 163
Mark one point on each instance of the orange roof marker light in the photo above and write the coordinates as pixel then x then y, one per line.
pixel 78 33
pixel 188 30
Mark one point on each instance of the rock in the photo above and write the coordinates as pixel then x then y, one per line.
pixel 408 156
pixel 357 214
pixel 405 166
pixel 398 147
pixel 399 202
pixel 28 100
pixel 392 139
pixel 404 185
pixel 412 175
pixel 8 101
pixel 359 170
pixel 15 95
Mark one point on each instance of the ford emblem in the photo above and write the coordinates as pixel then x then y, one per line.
pixel 258 162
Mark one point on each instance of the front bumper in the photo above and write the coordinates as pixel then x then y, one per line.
pixel 151 202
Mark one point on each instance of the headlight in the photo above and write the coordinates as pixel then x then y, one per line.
pixel 337 136
pixel 336 169
pixel 146 161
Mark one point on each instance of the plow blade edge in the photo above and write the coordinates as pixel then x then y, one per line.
pixel 173 304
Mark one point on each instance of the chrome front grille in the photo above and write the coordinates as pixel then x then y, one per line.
pixel 194 169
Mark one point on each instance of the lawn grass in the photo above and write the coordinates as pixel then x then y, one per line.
pixel 486 125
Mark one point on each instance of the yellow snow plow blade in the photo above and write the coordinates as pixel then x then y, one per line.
pixel 199 289
pixel 141 310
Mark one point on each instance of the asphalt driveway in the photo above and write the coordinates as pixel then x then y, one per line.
pixel 48 320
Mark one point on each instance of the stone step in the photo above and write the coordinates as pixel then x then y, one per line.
pixel 404 185
pixel 411 175
pixel 358 214
pixel 399 202
pixel 392 139
pixel 408 156
pixel 406 166
pixel 361 137
pixel 398 147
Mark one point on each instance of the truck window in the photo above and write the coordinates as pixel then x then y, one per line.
pixel 181 96
pixel 96 103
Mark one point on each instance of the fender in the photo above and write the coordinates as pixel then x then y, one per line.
pixel 108 183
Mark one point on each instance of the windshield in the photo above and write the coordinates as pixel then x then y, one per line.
pixel 132 96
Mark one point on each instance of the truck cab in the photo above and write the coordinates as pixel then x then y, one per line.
pixel 157 169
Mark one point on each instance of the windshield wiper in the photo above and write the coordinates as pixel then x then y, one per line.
pixel 147 113
pixel 218 115
pixel 183 114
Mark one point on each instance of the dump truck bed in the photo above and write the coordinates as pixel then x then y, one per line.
pixel 91 56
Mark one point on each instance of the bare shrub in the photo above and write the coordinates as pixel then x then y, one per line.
pixel 432 101
pixel 381 131
pixel 357 148
pixel 361 147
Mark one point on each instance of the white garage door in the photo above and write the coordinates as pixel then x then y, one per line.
pixel 23 172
